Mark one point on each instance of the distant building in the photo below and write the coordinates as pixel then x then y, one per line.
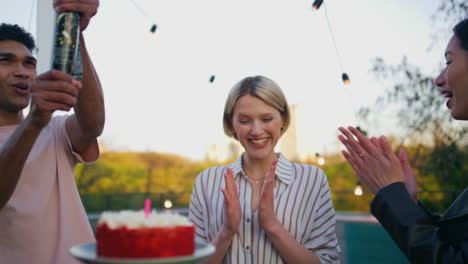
pixel 215 152
pixel 235 149
pixel 223 152
pixel 289 142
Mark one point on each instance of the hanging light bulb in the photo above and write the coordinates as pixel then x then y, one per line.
pixel 320 159
pixel 317 4
pixel 358 189
pixel 167 204
pixel 212 78
pixel 345 78
pixel 153 28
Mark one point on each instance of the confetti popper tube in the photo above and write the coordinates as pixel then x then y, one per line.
pixel 66 55
pixel 147 207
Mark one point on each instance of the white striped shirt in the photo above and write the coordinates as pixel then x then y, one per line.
pixel 302 204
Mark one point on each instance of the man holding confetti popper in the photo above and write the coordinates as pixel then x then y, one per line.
pixel 41 214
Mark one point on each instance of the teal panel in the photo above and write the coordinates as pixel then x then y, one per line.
pixel 368 243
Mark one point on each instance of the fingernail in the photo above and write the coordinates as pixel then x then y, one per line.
pixel 76 83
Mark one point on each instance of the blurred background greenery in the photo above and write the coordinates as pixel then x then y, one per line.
pixel 122 180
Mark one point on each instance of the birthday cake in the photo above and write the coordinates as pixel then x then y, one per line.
pixel 131 234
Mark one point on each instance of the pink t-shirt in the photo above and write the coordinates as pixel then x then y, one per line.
pixel 44 217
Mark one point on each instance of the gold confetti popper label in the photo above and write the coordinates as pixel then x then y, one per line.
pixel 66 53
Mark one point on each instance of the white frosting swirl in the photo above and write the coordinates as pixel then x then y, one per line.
pixel 137 219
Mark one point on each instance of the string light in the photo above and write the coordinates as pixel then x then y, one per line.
pixel 320 159
pixel 336 48
pixel 154 26
pixel 167 204
pixel 358 189
pixel 345 78
pixel 317 4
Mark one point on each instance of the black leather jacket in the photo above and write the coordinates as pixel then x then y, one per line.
pixel 421 235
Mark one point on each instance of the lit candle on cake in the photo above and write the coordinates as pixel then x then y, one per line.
pixel 147 207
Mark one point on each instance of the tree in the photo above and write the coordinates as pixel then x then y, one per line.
pixel 420 107
pixel 452 10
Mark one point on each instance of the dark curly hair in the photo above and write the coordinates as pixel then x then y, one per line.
pixel 461 32
pixel 17 33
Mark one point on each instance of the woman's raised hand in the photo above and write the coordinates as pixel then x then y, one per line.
pixel 232 209
pixel 410 178
pixel 266 209
pixel 372 159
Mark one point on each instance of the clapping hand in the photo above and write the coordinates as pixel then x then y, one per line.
pixel 373 160
pixel 410 177
pixel 266 211
pixel 232 209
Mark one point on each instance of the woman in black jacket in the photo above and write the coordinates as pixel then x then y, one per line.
pixel 422 236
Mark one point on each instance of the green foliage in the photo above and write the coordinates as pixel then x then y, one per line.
pixel 121 180
pixel 452 10
pixel 442 172
pixel 421 110
pixel 342 181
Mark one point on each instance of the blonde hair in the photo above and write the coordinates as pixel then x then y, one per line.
pixel 263 88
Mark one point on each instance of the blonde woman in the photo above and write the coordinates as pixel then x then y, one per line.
pixel 262 208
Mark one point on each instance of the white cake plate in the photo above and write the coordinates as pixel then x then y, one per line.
pixel 87 254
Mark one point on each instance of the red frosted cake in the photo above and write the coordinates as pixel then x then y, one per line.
pixel 129 234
